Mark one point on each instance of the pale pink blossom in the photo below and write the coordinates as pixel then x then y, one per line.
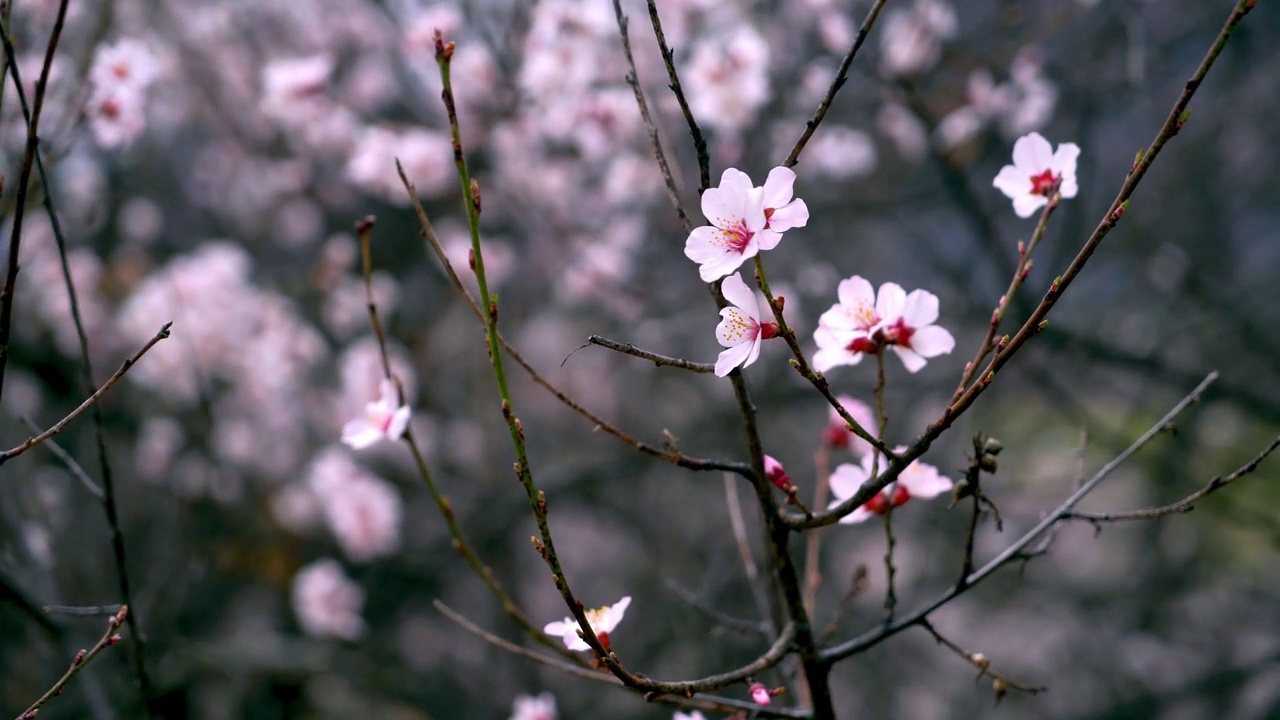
pixel 911 41
pixel 293 89
pixel 385 419
pixel 741 329
pixel 781 212
pixel 838 434
pixel 863 322
pixel 727 79
pixel 602 620
pixel 531 707
pixel 760 694
pixel 116 114
pixel 918 480
pixel 738 229
pixel 1037 172
pixel 841 153
pixel 426 155
pixel 128 62
pixel 363 511
pixel 327 602
pixel 694 715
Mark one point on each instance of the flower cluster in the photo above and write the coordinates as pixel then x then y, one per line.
pixel 918 480
pixel 864 322
pixel 119 76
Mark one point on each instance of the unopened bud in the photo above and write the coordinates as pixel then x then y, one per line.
pixel 760 694
pixel 992 446
pixel 777 474
pixel 779 303
pixel 981 661
pixel 1000 688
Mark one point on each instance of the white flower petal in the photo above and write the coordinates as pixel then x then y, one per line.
pixel 792 215
pixel 931 341
pixel 890 301
pixel 911 360
pixel 764 240
pixel 732 358
pixel 778 187
pixel 856 292
pixel 1026 205
pixel 845 481
pixel 1013 182
pixel 920 309
pixel 738 294
pixel 924 482
pixel 360 434
pixel 1032 154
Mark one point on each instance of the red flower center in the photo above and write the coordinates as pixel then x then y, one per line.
pixel 1045 183
pixel 899 333
pixel 862 345
pixel 737 237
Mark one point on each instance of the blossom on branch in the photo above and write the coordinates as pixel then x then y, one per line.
pixel 864 322
pixel 744 221
pixel 530 707
pixel 760 694
pixel 918 480
pixel 385 419
pixel 1037 172
pixel 741 329
pixel 838 434
pixel 695 715
pixel 602 620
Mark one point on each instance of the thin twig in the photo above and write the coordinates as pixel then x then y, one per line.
pixel 1017 549
pixel 1039 317
pixel 663 453
pixel 633 80
pixel 702 701
pixel 24 178
pixel 1020 273
pixel 842 75
pixel 78 663
pixel 981 662
pixel 669 59
pixel 57 427
pixel 801 364
pixel 1186 504
pixel 653 357
pixel 739 528
pixel 83 610
pixel 364 231
pixel 729 622
pixel 857 586
pixel 77 471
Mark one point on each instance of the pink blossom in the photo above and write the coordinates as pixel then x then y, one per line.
pixel 727 78
pixel 362 510
pixel 293 89
pixel 838 434
pixel 695 715
pixel 918 480
pixel 1037 172
pixel 385 419
pixel 530 707
pixel 760 694
pixel 116 114
pixel 781 212
pixel 741 329
pixel 327 602
pixel 863 322
pixel 602 620
pixel 738 229
pixel 125 63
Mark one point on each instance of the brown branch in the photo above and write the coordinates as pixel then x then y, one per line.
pixel 1017 550
pixel 686 461
pixel 653 357
pixel 78 663
pixel 24 179
pixel 668 58
pixel 842 75
pixel 982 663
pixel 633 80
pixel 1039 317
pixel 1186 504
pixel 709 703
pixel 57 427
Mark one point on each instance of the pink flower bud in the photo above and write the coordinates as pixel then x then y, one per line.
pixel 759 694
pixel 776 473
